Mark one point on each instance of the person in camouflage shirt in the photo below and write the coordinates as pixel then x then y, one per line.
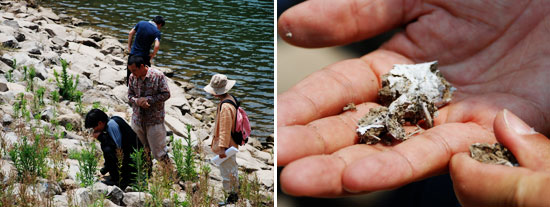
pixel 147 92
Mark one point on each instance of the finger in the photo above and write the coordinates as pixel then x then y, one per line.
pixel 326 92
pixel 322 136
pixel 530 148
pixel 321 175
pixel 327 22
pixel 478 184
pixel 424 155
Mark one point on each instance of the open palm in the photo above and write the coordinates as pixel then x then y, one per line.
pixel 494 52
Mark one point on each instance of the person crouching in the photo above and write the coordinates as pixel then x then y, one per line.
pixel 114 134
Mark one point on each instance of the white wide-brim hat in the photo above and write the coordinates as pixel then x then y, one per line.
pixel 219 84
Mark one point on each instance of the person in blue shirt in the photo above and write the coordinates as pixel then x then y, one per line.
pixel 114 134
pixel 146 33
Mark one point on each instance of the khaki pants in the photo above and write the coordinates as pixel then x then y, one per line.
pixel 152 137
pixel 229 171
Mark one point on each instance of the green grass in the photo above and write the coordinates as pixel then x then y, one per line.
pixel 87 161
pixel 67 87
pixel 29 159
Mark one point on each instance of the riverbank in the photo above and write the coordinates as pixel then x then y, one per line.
pixel 38 38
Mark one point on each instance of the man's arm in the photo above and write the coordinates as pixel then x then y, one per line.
pixel 132 98
pixel 155 49
pixel 225 124
pixel 130 38
pixel 163 92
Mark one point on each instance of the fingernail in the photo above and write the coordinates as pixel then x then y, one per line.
pixel 351 191
pixel 515 123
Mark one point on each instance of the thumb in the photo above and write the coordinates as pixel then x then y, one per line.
pixel 531 149
pixel 478 184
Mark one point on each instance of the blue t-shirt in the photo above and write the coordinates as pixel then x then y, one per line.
pixel 146 34
pixel 114 131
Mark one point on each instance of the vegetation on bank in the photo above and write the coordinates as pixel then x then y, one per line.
pixel 38 157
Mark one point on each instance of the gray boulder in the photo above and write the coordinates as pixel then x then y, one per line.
pixel 74 119
pixel 96 36
pixel 48 13
pixel 136 199
pixel 115 195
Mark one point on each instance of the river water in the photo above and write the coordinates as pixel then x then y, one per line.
pixel 200 38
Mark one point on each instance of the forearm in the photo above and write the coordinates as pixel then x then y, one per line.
pixel 130 39
pixel 224 132
pixel 155 49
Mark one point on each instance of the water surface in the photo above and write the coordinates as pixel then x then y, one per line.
pixel 200 38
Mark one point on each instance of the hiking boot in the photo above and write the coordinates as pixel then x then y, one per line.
pixel 231 199
pixel 109 181
pixel 103 171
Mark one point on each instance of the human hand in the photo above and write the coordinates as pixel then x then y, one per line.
pixel 222 155
pixel 478 184
pixel 142 102
pixel 151 56
pixel 492 53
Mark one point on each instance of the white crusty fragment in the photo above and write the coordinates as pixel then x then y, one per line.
pixel 411 93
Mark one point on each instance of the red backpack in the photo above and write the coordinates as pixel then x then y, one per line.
pixel 242 124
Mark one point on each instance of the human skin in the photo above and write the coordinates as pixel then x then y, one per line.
pixel 494 53
pixel 140 72
pixel 478 184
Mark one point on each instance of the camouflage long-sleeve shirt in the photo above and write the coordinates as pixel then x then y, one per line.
pixel 153 87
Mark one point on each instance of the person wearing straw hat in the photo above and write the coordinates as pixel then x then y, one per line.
pixel 224 123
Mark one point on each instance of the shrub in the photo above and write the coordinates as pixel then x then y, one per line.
pixel 140 163
pixel 185 163
pixel 87 161
pixel 29 77
pixel 29 159
pixel 67 88
pixel 9 75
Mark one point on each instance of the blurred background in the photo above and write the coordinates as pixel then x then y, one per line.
pixel 293 65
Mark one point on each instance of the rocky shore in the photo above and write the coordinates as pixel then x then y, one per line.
pixel 33 36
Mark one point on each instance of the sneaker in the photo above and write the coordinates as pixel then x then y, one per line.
pixel 109 181
pixel 231 199
pixel 103 171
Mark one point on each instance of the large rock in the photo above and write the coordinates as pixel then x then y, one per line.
pixel 266 177
pixel 6 30
pixel 188 119
pixel 56 30
pixel 60 200
pixel 6 169
pixel 82 197
pixel 96 36
pixel 116 60
pixel 245 159
pixel 49 188
pixel 110 77
pixel 99 189
pixel 111 46
pixel 175 125
pixel 86 50
pixel 121 92
pixel 136 199
pixel 48 13
pixel 8 41
pixel 68 145
pixel 74 119
pixel 14 25
pixel 3 87
pixel 109 203
pixel 67 184
pixel 11 138
pixel 72 168
pixel 115 195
